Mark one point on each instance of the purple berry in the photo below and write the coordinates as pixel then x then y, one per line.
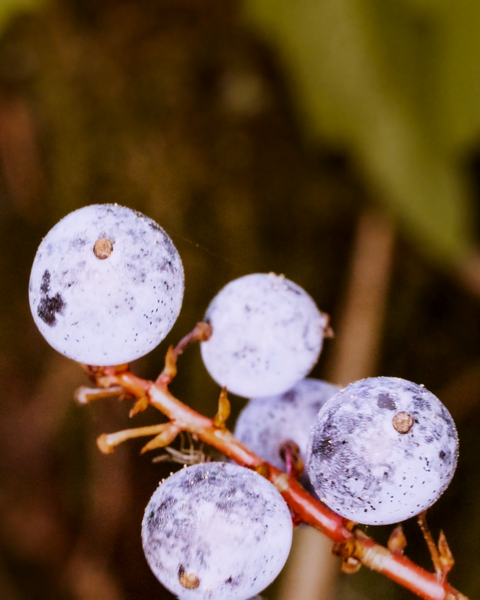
pixel 382 450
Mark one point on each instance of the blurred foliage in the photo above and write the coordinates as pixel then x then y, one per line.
pixel 10 8
pixel 396 82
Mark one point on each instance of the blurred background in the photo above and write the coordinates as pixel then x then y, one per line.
pixel 334 141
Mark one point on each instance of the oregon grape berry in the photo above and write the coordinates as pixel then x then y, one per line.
pixel 216 531
pixel 382 450
pixel 267 334
pixel 266 423
pixel 106 285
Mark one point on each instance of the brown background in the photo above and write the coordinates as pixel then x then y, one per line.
pixel 178 110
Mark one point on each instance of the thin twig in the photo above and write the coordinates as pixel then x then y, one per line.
pixel 432 547
pixel 350 543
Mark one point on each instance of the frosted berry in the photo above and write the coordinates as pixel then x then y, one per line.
pixel 266 423
pixel 267 334
pixel 106 285
pixel 382 450
pixel 216 531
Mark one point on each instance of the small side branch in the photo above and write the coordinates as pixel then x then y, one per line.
pixel 290 453
pixel 397 567
pixel 165 432
pixel 200 333
pixel 223 411
pixel 432 548
pixel 397 541
pixel 85 395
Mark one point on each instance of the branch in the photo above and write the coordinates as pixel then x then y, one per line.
pixel 350 543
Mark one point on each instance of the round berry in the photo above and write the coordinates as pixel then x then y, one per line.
pixel 265 424
pixel 216 531
pixel 267 334
pixel 382 450
pixel 106 285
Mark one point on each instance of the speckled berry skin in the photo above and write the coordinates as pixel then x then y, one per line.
pixel 109 310
pixel 216 531
pixel 367 471
pixel 267 334
pixel 266 423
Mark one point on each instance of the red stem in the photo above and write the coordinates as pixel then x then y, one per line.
pixel 308 510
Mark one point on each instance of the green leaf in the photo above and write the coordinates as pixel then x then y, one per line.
pixel 369 77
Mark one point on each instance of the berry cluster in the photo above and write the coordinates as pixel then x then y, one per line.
pixel 106 287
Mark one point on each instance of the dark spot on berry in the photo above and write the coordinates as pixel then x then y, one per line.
pixel 385 401
pixel 45 286
pixel 49 306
